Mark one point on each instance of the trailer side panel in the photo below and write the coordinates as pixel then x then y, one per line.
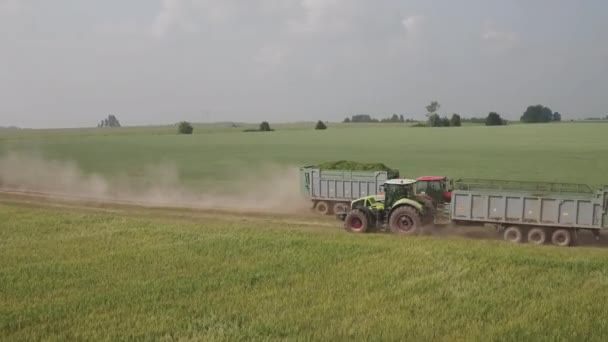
pixel 340 185
pixel 523 209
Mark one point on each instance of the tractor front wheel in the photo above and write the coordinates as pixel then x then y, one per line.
pixel 356 222
pixel 405 221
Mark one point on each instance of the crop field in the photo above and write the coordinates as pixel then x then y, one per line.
pixel 74 270
pixel 568 152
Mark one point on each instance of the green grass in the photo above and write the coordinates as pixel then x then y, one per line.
pixel 77 273
pixel 569 152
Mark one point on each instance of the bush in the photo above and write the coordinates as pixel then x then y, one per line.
pixel 265 127
pixel 455 120
pixel 445 122
pixel 494 119
pixel 436 121
pixel 538 113
pixel 320 125
pixel 185 128
pixel 557 117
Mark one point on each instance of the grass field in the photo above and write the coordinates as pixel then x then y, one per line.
pixel 569 152
pixel 108 273
pixel 77 271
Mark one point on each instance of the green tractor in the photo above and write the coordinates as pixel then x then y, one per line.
pixel 399 210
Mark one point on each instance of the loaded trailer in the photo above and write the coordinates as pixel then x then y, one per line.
pixel 331 191
pixel 536 212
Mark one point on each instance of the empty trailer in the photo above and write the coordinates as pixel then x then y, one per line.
pixel 534 211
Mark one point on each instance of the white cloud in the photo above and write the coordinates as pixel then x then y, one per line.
pixel 323 16
pixel 9 6
pixel 500 40
pixel 170 16
pixel 412 23
pixel 185 15
pixel 270 57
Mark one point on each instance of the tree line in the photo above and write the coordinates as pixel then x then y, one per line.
pixel 540 113
pixel 533 114
pixel 366 118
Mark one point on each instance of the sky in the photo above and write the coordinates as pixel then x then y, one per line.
pixel 70 63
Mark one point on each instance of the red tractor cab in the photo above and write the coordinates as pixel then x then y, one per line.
pixel 437 188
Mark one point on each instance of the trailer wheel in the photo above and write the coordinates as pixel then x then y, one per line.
pixel 340 208
pixel 405 221
pixel 356 222
pixel 322 208
pixel 513 234
pixel 537 236
pixel 561 238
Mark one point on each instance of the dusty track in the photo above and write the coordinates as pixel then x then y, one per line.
pixel 140 208
pixel 35 199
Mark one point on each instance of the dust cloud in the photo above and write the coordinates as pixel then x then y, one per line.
pixel 269 188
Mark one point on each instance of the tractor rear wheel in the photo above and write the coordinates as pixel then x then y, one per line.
pixel 405 221
pixel 356 222
pixel 322 208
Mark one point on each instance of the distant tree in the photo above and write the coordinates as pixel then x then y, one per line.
pixel 455 120
pixel 362 118
pixel 347 120
pixel 401 118
pixel 265 127
pixel 445 122
pixel 557 117
pixel 110 121
pixel 538 113
pixel 185 127
pixel 432 108
pixel 365 118
pixel 320 125
pixel 393 118
pixel 434 121
pixel 494 119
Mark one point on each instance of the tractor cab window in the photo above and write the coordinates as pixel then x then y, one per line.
pixel 422 186
pixel 395 192
pixel 435 186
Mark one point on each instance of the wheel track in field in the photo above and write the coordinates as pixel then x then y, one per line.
pixel 34 199
pixel 28 198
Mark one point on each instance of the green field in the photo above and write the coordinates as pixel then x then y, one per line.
pixel 87 271
pixel 568 152
pixel 72 272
